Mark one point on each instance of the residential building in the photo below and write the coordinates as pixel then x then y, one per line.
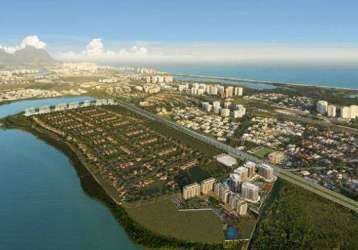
pixel 44 110
pixel 265 171
pixel 30 111
pixel 251 168
pixel 239 112
pixel 222 192
pixel 242 172
pixel 241 208
pixel 225 112
pixel 331 111
pixel 238 91
pixel 322 107
pixel 250 192
pixel 276 157
pixel 234 199
pixel 191 191
pixel 207 185
pixel 235 182
pixel 229 91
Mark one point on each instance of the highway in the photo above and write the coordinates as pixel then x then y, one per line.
pixel 282 173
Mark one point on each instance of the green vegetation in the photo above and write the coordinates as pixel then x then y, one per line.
pixel 245 123
pixel 262 152
pixel 354 123
pixel 294 218
pixel 246 226
pixel 162 217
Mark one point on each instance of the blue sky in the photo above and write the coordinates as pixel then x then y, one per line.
pixel 71 25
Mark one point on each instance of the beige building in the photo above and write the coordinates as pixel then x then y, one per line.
pixel 276 157
pixel 229 91
pixel 225 112
pixel 349 112
pixel 243 173
pixel 251 168
pixel 238 91
pixel 207 185
pixel 241 208
pixel 221 192
pixel 191 191
pixel 331 111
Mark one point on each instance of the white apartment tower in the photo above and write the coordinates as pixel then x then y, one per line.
pixel 265 171
pixel 322 107
pixel 250 192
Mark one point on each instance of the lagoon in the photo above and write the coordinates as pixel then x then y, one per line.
pixel 43 204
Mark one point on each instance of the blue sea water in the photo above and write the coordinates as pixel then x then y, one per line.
pixel 338 77
pixel 43 205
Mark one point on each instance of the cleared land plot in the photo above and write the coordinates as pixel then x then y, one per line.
pixel 161 216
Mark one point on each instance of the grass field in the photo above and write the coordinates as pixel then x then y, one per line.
pixel 161 216
pixel 245 226
pixel 262 152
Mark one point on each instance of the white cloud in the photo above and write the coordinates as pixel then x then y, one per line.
pixel 96 51
pixel 215 53
pixel 33 41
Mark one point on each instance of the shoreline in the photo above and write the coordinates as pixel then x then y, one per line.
pixel 253 81
pixel 95 187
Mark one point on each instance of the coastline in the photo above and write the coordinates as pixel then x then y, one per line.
pixel 276 83
pixel 95 187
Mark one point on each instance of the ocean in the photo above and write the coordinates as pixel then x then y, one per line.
pixel 337 77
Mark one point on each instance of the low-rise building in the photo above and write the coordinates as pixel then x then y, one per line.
pixel 226 159
pixel 276 157
pixel 225 112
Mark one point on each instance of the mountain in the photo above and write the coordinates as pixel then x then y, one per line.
pixel 28 56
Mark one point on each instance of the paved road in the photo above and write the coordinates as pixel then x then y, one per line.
pixel 282 173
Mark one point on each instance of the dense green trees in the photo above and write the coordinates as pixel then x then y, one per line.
pixel 298 219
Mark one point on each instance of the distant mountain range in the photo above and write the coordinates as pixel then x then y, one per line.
pixel 28 56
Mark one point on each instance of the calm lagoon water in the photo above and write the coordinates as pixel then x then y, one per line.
pixel 43 205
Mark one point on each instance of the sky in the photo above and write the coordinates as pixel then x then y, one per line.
pixel 184 31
